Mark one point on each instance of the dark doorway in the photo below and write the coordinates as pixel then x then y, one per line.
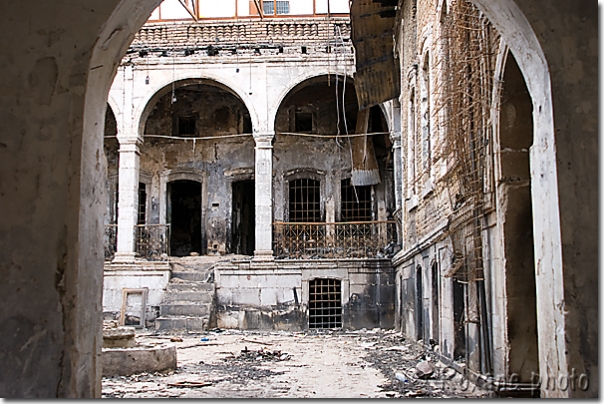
pixel 514 194
pixel 184 216
pixel 419 294
pixel 435 303
pixel 459 308
pixel 243 218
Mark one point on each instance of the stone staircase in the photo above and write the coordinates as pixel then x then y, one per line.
pixel 189 298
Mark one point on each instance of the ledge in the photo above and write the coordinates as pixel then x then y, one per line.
pixel 424 243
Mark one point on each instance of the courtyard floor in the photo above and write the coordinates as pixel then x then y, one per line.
pixel 325 364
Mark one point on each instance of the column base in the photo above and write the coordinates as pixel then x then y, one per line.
pixel 263 256
pixel 124 258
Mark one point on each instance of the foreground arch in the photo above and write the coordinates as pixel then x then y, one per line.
pixel 52 171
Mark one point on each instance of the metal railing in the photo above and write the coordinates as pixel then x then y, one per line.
pixel 334 240
pixel 110 241
pixel 151 241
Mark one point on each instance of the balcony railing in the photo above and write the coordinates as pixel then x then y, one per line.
pixel 110 241
pixel 334 240
pixel 152 241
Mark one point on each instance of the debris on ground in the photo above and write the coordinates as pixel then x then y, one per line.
pixel 338 363
pixel 188 383
pixel 262 354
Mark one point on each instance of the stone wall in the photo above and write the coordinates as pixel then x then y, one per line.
pixel 276 296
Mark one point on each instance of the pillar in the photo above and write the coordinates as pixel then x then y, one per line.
pixel 264 196
pixel 395 138
pixel 127 208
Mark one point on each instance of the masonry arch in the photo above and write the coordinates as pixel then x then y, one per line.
pixel 180 81
pixel 516 31
pixel 172 95
pixel 294 85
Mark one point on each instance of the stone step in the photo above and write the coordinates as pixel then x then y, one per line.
pixel 182 323
pixel 190 286
pixel 192 296
pixel 184 309
pixel 190 275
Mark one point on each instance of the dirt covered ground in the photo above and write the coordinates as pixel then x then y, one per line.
pixel 325 364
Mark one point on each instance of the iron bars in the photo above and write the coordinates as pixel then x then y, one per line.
pixel 376 239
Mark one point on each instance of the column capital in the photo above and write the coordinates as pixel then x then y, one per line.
pixel 264 140
pixel 129 140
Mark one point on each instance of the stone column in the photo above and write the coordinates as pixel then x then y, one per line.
pixel 264 197
pixel 395 138
pixel 127 208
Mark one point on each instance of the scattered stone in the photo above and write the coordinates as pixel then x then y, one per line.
pixel 424 370
pixel 175 339
pixel 187 383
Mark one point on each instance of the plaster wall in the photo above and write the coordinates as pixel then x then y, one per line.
pixel 115 281
pixel 55 81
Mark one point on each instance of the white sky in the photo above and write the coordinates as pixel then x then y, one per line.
pixel 173 10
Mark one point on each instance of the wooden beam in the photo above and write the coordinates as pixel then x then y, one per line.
pixel 259 8
pixel 191 8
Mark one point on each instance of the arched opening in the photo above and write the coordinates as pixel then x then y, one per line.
pixel 516 218
pixel 196 108
pixel 202 126
pixel 111 148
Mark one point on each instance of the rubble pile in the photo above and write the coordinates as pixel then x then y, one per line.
pixel 262 355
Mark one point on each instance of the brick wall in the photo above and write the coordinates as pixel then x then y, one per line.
pixel 281 32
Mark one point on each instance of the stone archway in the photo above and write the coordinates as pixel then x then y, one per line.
pixel 53 109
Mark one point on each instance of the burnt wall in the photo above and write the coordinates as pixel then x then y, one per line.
pixel 214 115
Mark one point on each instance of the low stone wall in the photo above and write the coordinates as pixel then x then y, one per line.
pixel 153 276
pixel 128 361
pixel 276 295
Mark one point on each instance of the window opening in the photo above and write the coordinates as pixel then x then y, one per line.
pixel 304 122
pixel 356 203
pixel 142 203
pixel 247 124
pixel 304 200
pixel 281 7
pixel 325 303
pixel 185 126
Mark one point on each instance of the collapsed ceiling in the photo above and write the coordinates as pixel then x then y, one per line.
pixel 377 72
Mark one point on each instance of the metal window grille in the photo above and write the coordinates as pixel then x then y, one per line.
pixel 325 303
pixel 356 202
pixel 268 7
pixel 304 200
pixel 282 7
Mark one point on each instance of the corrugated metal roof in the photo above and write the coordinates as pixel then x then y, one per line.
pixel 377 77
